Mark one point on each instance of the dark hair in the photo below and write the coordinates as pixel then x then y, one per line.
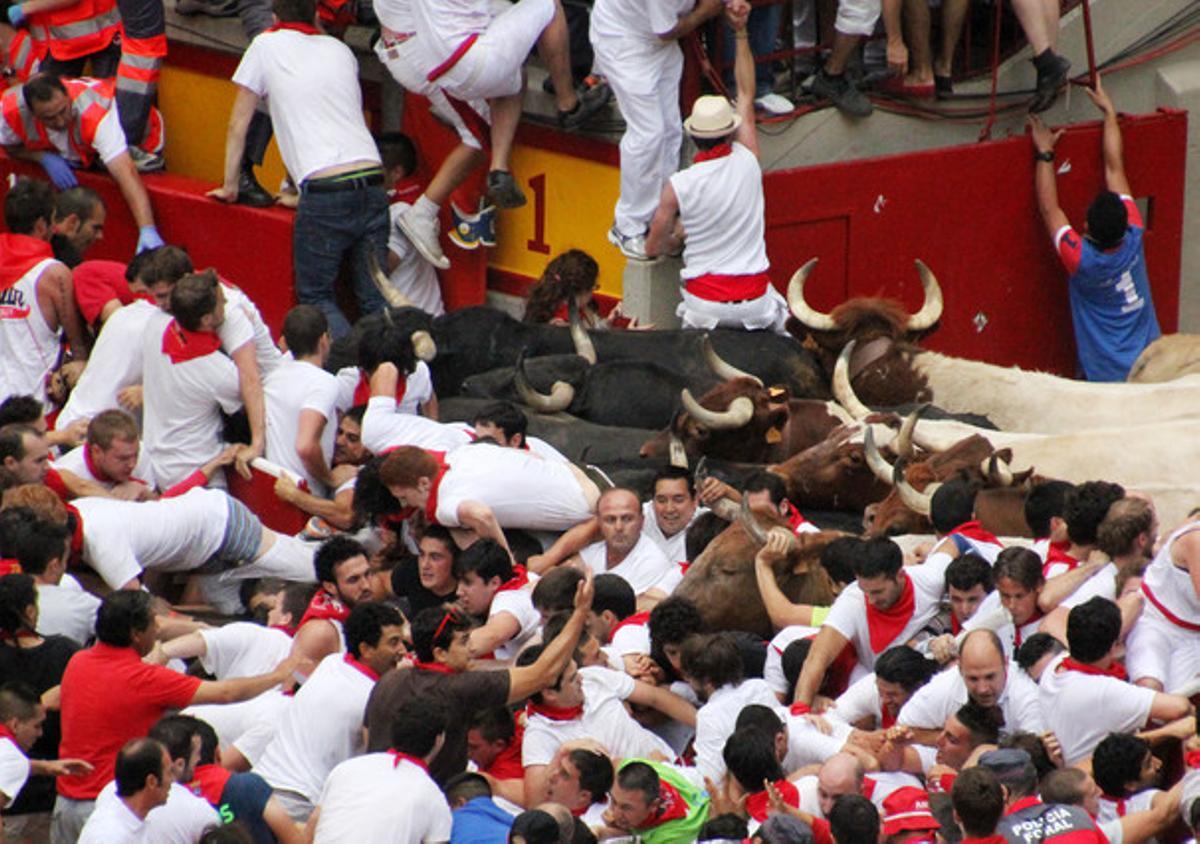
pixel 712 658
pixel 1020 565
pixel 727 827
pixel 388 339
pixel 494 723
pixel 372 499
pixel 80 201
pixel 750 757
pixel 194 297
pixel 837 558
pixel 294 11
pixel 978 800
pixel 528 656
pixel 878 557
pixel 28 201
pixel 41 87
pixel 905 667
pixel 768 481
pixel 555 591
pixel 17 592
pixel 109 425
pixel 1125 521
pixel 533 826
pixel 20 409
pixel 209 742
pixel 760 717
pixel 1063 786
pixel 1093 627
pixel 121 614
pixel 566 276
pixel 1036 647
pixel 1107 220
pixel 703 530
pixel 230 833
pixel 1117 761
pixel 595 772
pixel 792 661
pixel 555 624
pixel 167 263
pixel 983 722
pixel 613 593
pixel 466 786
pixel 396 149
pixel 1034 748
pixel 355 415
pixel 138 759
pixel 674 473
pixel 174 732
pixel 1086 506
pixel 18 700
pixel 486 559
pixel 1043 502
pixel 34 543
pixel 416 724
pixel 434 627
pixel 332 553
pixel 296 598
pixel 365 625
pixel 968 570
pixel 639 776
pixel 672 621
pixel 504 415
pixel 303 328
pixel 854 818
pixel 952 504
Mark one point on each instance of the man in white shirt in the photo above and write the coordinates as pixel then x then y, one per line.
pixel 670 512
pixel 112 457
pixel 387 797
pixel 302 401
pixel 324 724
pixel 42 547
pixel 21 718
pixel 624 549
pixel 386 425
pixel 1089 680
pixel 185 816
pixel 580 780
pixel 310 83
pixel 491 587
pixel 143 782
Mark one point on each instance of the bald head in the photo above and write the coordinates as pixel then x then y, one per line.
pixel 620 515
pixel 841 774
pixel 983 666
pixel 562 816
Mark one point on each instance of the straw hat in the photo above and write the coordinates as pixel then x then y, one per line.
pixel 712 117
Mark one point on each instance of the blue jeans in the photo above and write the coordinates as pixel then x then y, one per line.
pixel 329 228
pixel 763 30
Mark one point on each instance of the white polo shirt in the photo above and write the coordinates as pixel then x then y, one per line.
pixel 643 567
pixel 243 649
pixel 517 603
pixel 1112 706
pixel 14 769
pixel 112 822
pixel 181 820
pixel 945 694
pixel 311 86
pixel 292 388
pixel 715 722
pixel 321 729
pixel 376 800
pixel 67 610
pixel 385 427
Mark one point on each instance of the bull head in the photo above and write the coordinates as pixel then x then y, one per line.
pixel 736 415
pixel 422 341
pixel 814 320
pixel 561 393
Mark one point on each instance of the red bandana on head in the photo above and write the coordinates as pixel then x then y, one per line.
pixel 181 345
pixel 886 625
pixel 759 803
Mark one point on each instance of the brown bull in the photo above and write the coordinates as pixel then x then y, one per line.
pixel 722 584
pixel 831 475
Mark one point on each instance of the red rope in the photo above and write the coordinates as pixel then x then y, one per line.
pixel 986 132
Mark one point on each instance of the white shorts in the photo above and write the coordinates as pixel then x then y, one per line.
pixel 492 67
pixel 469 119
pixel 857 17
pixel 1160 650
pixel 767 311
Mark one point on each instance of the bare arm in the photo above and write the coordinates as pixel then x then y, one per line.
pixel 661 238
pixel 429 409
pixel 286 830
pixel 185 647
pixel 244 105
pixel 665 701
pixel 781 611
pixel 743 74
pixel 1113 144
pixel 701 12
pixel 1045 181
pixel 126 176
pixel 308 445
pixel 56 297
pixel 825 648
pixel 81 487
pixel 250 386
pixel 536 778
pixel 545 670
pixel 1062 586
pixel 567 545
pixel 339 512
pixel 1170 707
pixel 243 688
pixel 500 628
pixel 477 516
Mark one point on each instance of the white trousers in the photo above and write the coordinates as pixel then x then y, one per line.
pixel 400 60
pixel 767 311
pixel 492 67
pixel 1161 650
pixel 857 17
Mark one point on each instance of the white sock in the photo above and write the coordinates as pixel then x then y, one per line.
pixel 288 557
pixel 425 206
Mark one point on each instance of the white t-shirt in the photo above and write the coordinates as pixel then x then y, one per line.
pixel 66 610
pixel 1112 706
pixel 413 276
pixel 604 719
pixel 375 800
pixel 807 745
pixel 629 639
pixel 321 729
pixel 386 427
pixel 860 700
pixel 292 388
pixel 243 649
pixel 635 20
pixel 643 567
pixel 311 86
pixel 848 615
pixel 112 822
pixel 182 404
pixel 715 722
pixel 1102 584
pixel 941 697
pixel 773 667
pixel 114 364
pixel 243 324
pixel 76 463
pixel 181 820
pixel 519 604
pixel 418 389
pixel 1114 810
pixel 121 538
pixel 14 769
pixel 443 24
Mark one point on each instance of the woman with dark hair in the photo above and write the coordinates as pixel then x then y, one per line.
pixel 570 277
pixel 38 662
pixel 874 701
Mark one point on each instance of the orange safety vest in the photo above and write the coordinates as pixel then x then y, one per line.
pixel 91 100
pixel 24 55
pixel 81 29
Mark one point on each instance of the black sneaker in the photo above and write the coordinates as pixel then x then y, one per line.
pixel 503 191
pixel 592 98
pixel 250 192
pixel 838 90
pixel 1049 81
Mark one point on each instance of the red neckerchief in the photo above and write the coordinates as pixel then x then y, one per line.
pixel 1023 803
pixel 955 624
pixel 181 345
pixel 519 580
pixel 719 151
pixel 399 756
pixel 638 619
pixel 208 781
pixel 795 517
pixel 6 733
pixel 941 783
pixel 1017 637
pixel 435 667
pixel 974 530
pixel 885 625
pixel 672 805
pixel 19 253
pixel 1056 553
pixel 1192 759
pixel 323 605
pixel 56 484
pixel 1120 804
pixel 507 764
pixel 295 26
pixel 362 390
pixel 431 504
pixel 361 667
pixel 759 803
pixel 887 718
pixel 554 713
pixel 97 473
pixel 77 536
pixel 1116 670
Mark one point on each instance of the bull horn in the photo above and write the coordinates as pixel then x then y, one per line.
pixel 678 454
pixel 882 469
pixel 579 336
pixel 904 439
pixel 801 310
pixel 918 502
pixel 735 416
pixel 560 398
pixel 750 523
pixel 931 310
pixel 997 471
pixel 384 285
pixel 423 346
pixel 842 391
pixel 722 368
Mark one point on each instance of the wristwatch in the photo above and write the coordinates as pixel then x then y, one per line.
pixel 1044 155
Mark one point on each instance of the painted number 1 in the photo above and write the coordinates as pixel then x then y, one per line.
pixel 538 244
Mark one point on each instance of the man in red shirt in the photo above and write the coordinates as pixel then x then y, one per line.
pixel 110 696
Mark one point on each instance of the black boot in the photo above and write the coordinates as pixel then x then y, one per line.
pixel 250 192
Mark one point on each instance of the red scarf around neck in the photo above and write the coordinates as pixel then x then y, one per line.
pixel 759 803
pixel 324 606
pixel 1056 554
pixel 362 390
pixel 1116 670
pixel 974 530
pixel 1018 638
pixel 208 782
pixel 19 253
pixel 719 151
pixel 554 713
pixel 518 581
pixel 181 345
pixel 399 756
pixel 507 764
pixel 295 26
pixel 361 667
pixel 638 619
pixel 885 626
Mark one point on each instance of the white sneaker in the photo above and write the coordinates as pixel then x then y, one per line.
pixel 422 231
pixel 632 247
pixel 775 104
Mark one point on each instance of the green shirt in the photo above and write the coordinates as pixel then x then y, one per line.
pixel 682 829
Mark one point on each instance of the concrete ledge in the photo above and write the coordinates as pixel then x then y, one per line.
pixel 1177 85
pixel 651 291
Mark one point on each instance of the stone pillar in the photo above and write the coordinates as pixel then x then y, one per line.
pixel 1177 85
pixel 651 291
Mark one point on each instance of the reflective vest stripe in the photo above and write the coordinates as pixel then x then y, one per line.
pixel 80 29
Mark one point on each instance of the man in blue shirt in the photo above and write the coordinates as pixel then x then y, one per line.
pixel 477 819
pixel 1111 306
